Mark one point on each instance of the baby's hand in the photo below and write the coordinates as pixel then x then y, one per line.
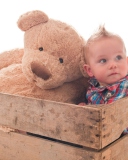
pixel 82 104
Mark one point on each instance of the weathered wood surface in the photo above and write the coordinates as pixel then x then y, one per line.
pixel 70 123
pixel 14 146
pixel 114 121
pixel 118 150
pixel 91 126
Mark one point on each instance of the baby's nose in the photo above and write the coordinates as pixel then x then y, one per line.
pixel 112 65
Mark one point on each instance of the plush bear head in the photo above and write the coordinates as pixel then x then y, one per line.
pixel 52 50
pixel 48 67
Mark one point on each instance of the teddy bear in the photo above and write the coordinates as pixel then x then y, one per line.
pixel 48 67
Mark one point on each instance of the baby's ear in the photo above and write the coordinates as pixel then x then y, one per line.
pixel 88 70
pixel 82 62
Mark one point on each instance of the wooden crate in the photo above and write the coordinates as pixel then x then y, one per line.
pixel 67 132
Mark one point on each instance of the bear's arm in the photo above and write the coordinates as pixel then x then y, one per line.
pixel 11 57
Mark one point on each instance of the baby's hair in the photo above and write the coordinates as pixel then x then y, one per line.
pixel 100 33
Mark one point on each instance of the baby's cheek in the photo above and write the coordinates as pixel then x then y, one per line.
pixel 101 77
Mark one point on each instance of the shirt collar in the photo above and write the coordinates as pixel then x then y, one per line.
pixel 112 87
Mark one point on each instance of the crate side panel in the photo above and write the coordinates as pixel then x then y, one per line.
pixel 114 120
pixel 117 150
pixel 13 145
pixel 22 147
pixel 66 122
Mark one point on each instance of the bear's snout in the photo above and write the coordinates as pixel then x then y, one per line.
pixel 40 71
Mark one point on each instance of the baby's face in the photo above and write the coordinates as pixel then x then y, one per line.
pixel 107 60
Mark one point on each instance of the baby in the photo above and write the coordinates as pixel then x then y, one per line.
pixel 107 67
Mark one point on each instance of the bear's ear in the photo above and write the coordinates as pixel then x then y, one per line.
pixel 30 19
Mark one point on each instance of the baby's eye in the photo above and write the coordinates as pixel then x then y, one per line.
pixel 118 57
pixel 103 61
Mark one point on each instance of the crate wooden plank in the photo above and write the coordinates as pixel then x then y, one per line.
pixel 15 146
pixel 118 150
pixel 67 122
pixel 114 120
pixel 93 126
pixel 22 147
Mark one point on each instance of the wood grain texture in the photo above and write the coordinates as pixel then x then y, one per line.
pixel 93 126
pixel 15 146
pixel 67 122
pixel 114 120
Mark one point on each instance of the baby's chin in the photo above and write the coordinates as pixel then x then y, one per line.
pixel 114 80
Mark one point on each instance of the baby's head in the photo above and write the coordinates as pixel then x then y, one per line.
pixel 105 57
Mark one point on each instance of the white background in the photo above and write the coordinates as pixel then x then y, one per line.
pixel 84 15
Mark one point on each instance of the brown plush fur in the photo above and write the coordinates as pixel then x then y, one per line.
pixel 48 66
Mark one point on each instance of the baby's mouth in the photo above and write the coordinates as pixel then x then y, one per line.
pixel 114 73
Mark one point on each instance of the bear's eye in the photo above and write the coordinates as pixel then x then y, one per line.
pixel 41 49
pixel 61 60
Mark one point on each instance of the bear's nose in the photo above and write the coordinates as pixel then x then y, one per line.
pixel 40 71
